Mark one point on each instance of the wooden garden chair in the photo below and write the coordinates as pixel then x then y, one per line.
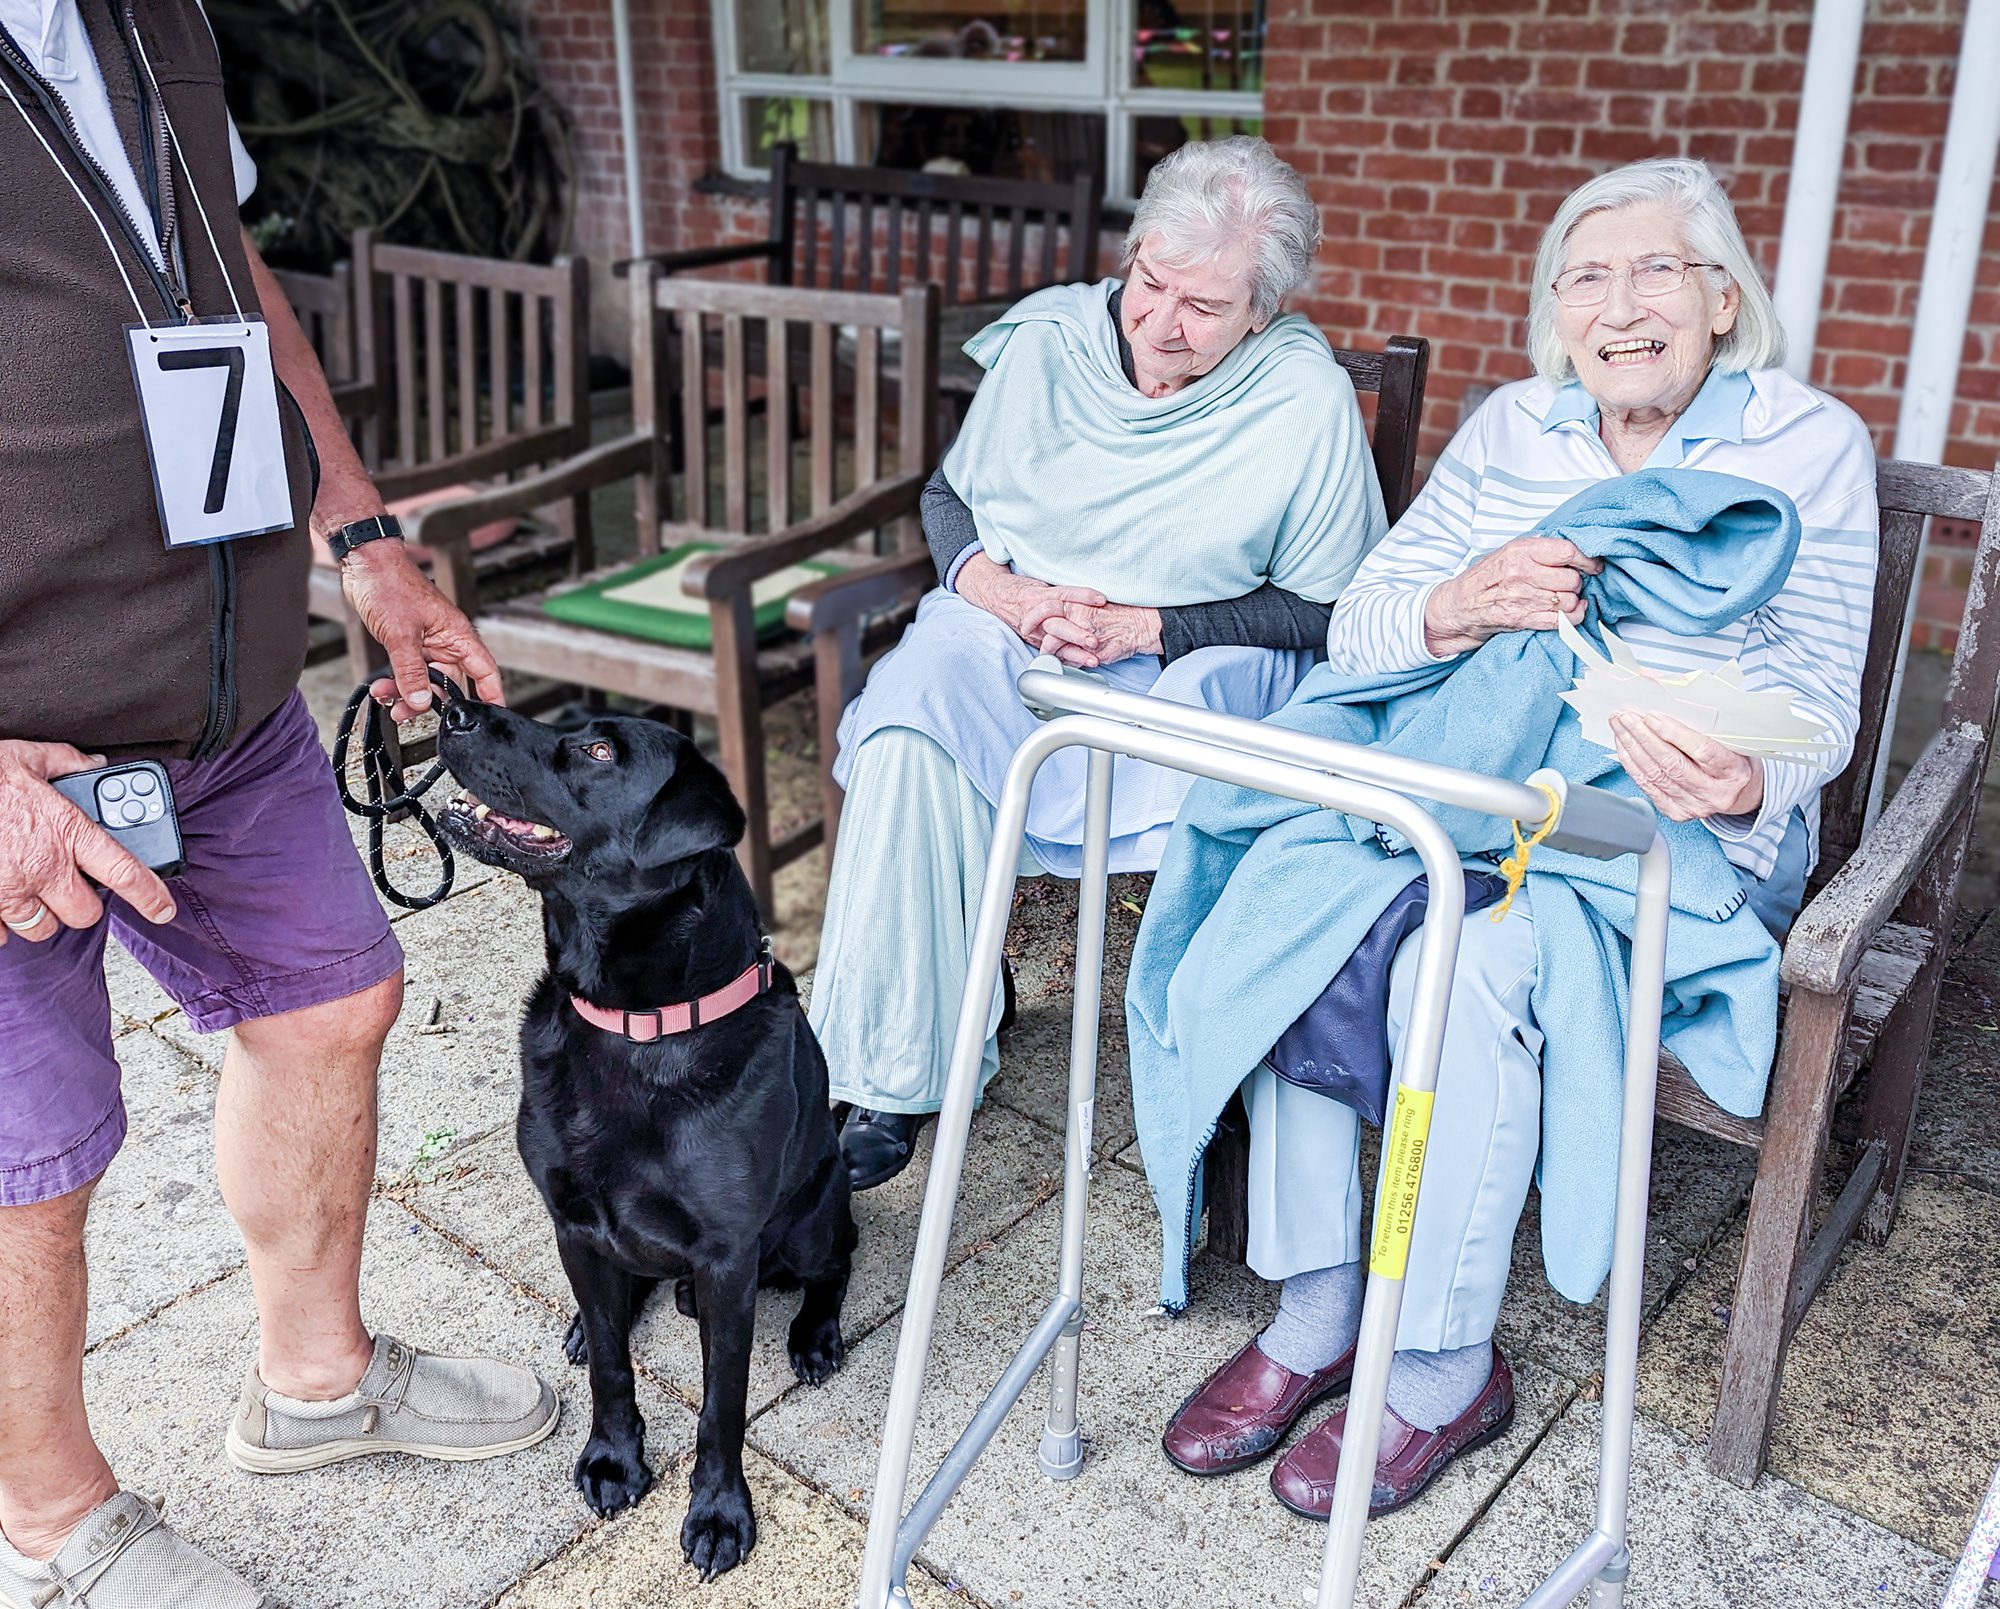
pixel 468 371
pixel 324 306
pixel 767 502
pixel 1861 972
pixel 853 616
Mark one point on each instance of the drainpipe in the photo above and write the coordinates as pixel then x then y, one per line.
pixel 1817 149
pixel 1944 301
pixel 628 123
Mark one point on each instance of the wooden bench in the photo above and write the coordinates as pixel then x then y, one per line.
pixel 468 371
pixel 1860 977
pixel 854 616
pixel 829 488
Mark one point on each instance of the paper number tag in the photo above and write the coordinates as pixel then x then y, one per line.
pixel 209 400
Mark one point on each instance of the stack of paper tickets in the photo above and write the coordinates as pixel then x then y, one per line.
pixel 1713 702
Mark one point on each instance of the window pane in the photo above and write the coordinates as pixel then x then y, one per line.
pixel 976 30
pixel 989 141
pixel 782 36
pixel 1155 137
pixel 771 120
pixel 1199 44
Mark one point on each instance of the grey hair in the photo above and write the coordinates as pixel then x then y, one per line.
pixel 1710 233
pixel 1212 195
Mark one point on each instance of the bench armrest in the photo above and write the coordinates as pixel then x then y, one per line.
pixel 678 262
pixel 824 605
pixel 600 466
pixel 1832 934
pixel 354 399
pixel 718 575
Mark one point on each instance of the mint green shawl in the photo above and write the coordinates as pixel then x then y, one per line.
pixel 1257 471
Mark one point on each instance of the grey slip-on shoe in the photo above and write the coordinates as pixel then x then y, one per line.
pixel 408 1401
pixel 124 1556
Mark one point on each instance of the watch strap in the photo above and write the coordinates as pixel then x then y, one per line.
pixel 376 528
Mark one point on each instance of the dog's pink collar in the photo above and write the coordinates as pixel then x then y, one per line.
pixel 646 1026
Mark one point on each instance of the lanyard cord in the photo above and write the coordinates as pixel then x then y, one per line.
pixel 380 806
pixel 130 289
pixel 193 188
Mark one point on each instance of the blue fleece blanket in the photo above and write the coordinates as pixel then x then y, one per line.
pixel 1260 900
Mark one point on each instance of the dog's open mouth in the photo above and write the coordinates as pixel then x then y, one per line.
pixel 479 824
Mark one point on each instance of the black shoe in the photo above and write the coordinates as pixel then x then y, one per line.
pixel 876 1146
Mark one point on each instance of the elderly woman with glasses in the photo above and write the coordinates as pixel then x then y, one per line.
pixel 1161 477
pixel 1660 472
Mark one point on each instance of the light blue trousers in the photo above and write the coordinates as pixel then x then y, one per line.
pixel 915 836
pixel 1305 1164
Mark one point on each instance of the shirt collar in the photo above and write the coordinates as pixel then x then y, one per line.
pixel 1716 414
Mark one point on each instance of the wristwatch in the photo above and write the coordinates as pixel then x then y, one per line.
pixel 376 528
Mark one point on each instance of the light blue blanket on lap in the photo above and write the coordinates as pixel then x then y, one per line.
pixel 1260 900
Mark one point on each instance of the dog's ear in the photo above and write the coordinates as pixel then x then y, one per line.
pixel 695 811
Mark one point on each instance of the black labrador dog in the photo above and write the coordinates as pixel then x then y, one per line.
pixel 706 1154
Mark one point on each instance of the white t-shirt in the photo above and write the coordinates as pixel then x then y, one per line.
pixel 50 33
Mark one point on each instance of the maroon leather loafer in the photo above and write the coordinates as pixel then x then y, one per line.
pixel 1242 1411
pixel 1408 1461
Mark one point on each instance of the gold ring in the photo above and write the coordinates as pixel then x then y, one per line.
pixel 41 915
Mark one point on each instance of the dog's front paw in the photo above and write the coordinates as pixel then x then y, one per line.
pixel 720 1529
pixel 816 1347
pixel 612 1476
pixel 576 1347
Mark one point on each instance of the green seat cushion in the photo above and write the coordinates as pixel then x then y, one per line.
pixel 645 599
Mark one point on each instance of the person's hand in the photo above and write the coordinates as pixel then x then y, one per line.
pixel 1527 585
pixel 1024 603
pixel 1686 775
pixel 1101 634
pixel 48 847
pixel 416 627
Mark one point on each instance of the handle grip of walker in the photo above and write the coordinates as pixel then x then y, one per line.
pixel 1594 822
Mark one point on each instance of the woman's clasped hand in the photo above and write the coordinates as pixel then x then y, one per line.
pixel 1079 625
pixel 1527 585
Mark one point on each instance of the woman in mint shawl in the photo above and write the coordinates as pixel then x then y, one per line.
pixel 1162 478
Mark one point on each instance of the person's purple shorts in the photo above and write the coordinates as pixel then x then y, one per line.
pixel 274 912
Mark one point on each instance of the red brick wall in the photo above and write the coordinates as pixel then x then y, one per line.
pixel 1439 136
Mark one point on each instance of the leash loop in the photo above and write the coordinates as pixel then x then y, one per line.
pixel 1515 867
pixel 389 796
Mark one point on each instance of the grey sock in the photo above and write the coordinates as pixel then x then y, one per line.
pixel 1430 1389
pixel 1319 1315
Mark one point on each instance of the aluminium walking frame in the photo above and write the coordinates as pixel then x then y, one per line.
pixel 1080 711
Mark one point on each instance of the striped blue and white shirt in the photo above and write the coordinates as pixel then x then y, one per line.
pixel 1532 445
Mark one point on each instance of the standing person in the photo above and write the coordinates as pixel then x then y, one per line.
pixel 129 629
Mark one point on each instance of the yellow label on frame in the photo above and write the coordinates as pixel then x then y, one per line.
pixel 1396 1210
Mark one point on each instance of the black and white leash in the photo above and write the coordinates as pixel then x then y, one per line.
pixel 389 796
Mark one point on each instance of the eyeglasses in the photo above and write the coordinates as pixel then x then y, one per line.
pixel 1650 276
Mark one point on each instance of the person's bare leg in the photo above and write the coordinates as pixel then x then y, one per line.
pixel 51 1472
pixel 295 1151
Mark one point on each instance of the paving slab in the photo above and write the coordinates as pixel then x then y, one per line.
pixel 157 1227
pixel 1888 1400
pixel 451 1069
pixel 1958 1115
pixel 484 1196
pixel 808 1556
pixel 391 1531
pixel 1130 1529
pixel 136 999
pixel 1699 1183
pixel 1697 1542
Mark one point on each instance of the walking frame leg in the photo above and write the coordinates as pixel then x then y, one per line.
pixel 1061 1454
pixel 891 1541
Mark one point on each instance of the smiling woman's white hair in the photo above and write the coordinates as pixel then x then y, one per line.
pixel 1709 234
pixel 1215 196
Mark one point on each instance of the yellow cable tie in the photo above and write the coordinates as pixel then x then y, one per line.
pixel 1515 867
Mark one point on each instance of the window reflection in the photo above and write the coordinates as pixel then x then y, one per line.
pixel 1199 44
pixel 769 121
pixel 782 36
pixel 973 30
pixel 989 141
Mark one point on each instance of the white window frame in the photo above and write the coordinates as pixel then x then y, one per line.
pixel 1101 83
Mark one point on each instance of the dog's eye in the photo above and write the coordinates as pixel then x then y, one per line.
pixel 600 751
